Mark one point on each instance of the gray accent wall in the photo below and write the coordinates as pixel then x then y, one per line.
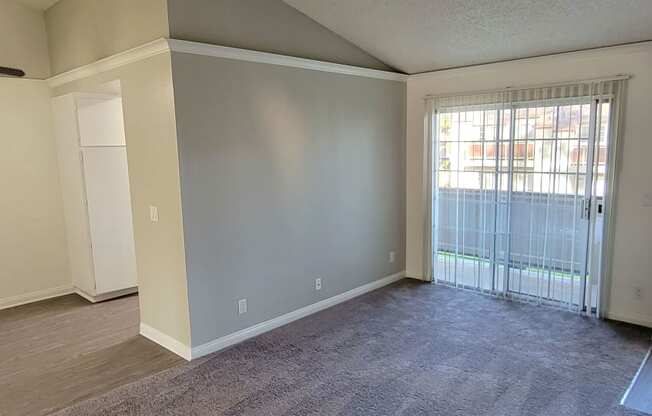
pixel 80 32
pixel 287 175
pixel 265 26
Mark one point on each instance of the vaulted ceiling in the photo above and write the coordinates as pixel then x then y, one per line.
pixel 424 35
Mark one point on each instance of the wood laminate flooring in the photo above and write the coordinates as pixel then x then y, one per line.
pixel 57 352
pixel 411 349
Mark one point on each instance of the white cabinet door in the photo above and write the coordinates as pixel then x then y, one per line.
pixel 100 121
pixel 109 210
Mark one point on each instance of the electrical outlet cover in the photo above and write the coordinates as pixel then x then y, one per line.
pixel 242 306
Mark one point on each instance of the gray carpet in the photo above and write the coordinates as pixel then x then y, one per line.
pixel 407 349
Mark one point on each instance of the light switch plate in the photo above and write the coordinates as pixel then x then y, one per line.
pixel 153 213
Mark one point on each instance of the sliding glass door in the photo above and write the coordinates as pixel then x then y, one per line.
pixel 517 195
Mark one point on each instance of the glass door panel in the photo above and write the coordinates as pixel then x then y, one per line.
pixel 512 197
pixel 548 228
pixel 469 197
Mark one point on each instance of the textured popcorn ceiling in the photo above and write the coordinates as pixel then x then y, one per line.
pixel 424 35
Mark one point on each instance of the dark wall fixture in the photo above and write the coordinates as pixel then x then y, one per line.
pixel 12 72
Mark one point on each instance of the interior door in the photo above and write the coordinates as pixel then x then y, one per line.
pixel 109 209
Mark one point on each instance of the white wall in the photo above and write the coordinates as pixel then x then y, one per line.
pixel 152 155
pixel 23 43
pixel 33 256
pixel 83 31
pixel 632 262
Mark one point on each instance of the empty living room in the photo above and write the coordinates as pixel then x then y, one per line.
pixel 326 207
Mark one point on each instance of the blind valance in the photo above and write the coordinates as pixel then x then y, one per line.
pixel 566 92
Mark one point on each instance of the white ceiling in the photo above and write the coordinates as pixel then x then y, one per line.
pixel 424 35
pixel 38 4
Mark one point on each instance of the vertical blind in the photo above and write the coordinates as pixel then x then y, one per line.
pixel 495 222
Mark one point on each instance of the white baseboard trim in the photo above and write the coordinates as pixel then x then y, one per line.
pixel 415 277
pixel 18 300
pixel 165 341
pixel 244 334
pixel 636 320
pixel 638 373
pixel 105 296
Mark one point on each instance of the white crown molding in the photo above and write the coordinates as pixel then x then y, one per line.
pixel 138 53
pixel 166 341
pixel 26 298
pixel 252 331
pixel 641 320
pixel 159 46
pixel 205 49
pixel 585 54
pixel 197 48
